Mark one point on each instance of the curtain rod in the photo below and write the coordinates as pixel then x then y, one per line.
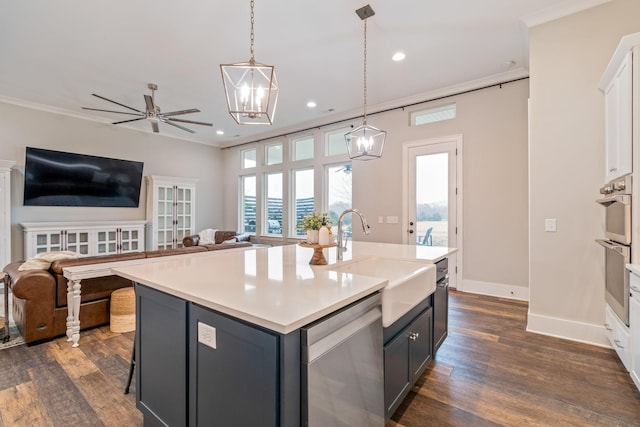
pixel 402 107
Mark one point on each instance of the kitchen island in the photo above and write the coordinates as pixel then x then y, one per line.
pixel 257 301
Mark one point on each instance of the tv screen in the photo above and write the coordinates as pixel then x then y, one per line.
pixel 56 178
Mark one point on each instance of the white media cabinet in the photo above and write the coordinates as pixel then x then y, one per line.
pixel 86 238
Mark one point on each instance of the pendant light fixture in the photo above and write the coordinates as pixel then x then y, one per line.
pixel 365 142
pixel 251 89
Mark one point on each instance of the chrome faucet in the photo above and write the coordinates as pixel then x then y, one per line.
pixel 365 229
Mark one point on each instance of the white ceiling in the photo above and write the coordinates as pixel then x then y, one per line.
pixel 55 54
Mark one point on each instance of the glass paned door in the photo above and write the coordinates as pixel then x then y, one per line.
pixel 432 197
pixel 165 217
pixel 183 215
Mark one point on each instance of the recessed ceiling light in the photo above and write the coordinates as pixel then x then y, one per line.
pixel 311 104
pixel 220 132
pixel 398 56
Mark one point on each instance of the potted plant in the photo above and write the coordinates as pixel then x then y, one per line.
pixel 311 223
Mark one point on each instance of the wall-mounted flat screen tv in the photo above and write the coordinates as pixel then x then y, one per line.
pixel 56 178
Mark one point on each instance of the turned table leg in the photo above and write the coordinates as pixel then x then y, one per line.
pixel 73 307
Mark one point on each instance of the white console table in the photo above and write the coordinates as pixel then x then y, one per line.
pixel 76 274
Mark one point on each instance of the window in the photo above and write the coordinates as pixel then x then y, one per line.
pixel 273 153
pixel 339 194
pixel 248 203
pixel 248 158
pixel 273 217
pixel 303 198
pixel 302 148
pixel 335 142
pixel 437 114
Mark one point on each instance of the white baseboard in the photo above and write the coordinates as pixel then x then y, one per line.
pixel 568 329
pixel 560 328
pixel 495 289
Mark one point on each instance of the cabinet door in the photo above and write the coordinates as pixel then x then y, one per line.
pixel 164 221
pixel 611 129
pixel 619 121
pixel 46 241
pixel 244 359
pixel 421 343
pixel 183 217
pixel 440 315
pixel 397 373
pixel 107 242
pixel 130 240
pixel 634 328
pixel 161 356
pixel 78 241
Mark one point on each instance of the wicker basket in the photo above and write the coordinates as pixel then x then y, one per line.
pixel 123 310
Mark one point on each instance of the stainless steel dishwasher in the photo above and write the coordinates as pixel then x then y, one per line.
pixel 343 370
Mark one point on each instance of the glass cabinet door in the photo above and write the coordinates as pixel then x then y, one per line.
pixel 78 241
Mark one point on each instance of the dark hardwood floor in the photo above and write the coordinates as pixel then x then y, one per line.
pixel 488 372
pixel 491 372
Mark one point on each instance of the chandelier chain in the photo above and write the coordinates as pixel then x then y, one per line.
pixel 252 38
pixel 365 73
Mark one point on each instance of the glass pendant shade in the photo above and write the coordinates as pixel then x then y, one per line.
pixel 251 90
pixel 365 142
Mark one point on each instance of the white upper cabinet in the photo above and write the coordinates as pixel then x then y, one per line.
pixel 619 119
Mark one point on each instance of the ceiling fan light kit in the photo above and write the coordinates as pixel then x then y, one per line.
pixel 365 142
pixel 152 113
pixel 251 89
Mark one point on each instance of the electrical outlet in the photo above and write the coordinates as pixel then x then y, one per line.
pixel 207 335
pixel 380 220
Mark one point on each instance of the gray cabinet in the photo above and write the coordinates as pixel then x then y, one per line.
pixel 161 357
pixel 407 351
pixel 244 359
pixel 440 315
pixel 441 304
pixel 195 366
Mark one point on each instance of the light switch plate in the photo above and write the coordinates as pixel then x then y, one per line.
pixel 392 220
pixel 550 225
pixel 207 335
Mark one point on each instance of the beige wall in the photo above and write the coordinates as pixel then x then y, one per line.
pixel 567 60
pixel 21 127
pixel 493 124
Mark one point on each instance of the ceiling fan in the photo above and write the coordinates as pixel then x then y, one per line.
pixel 152 112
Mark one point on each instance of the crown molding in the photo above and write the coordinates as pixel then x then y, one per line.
pixel 560 10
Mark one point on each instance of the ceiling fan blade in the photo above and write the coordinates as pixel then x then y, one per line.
pixel 117 103
pixel 178 126
pixel 154 126
pixel 110 111
pixel 127 121
pixel 177 113
pixel 188 121
pixel 149 101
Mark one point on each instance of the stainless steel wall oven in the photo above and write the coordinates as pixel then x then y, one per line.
pixel 617 204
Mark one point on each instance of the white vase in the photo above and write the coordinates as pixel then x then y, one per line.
pixel 312 236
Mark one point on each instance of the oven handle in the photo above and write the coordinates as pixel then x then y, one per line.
pixel 621 249
pixel 619 198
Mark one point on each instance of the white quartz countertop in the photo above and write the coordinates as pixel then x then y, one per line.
pixel 275 287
